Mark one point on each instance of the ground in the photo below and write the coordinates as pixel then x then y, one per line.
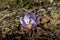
pixel 47 29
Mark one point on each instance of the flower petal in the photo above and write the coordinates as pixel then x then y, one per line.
pixel 33 16
pixel 34 24
pixel 37 20
pixel 22 22
pixel 26 18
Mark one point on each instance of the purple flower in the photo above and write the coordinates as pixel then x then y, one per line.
pixel 29 20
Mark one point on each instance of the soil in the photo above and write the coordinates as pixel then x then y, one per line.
pixel 47 29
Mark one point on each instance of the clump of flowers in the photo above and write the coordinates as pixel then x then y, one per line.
pixel 29 21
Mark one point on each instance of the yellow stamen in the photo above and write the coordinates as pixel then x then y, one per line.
pixel 29 26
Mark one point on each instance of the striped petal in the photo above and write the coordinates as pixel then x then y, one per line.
pixel 26 18
pixel 34 24
pixel 37 20
pixel 22 22
pixel 33 16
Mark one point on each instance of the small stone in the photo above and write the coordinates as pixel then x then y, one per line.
pixel 51 1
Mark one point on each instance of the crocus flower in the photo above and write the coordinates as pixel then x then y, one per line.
pixel 29 21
